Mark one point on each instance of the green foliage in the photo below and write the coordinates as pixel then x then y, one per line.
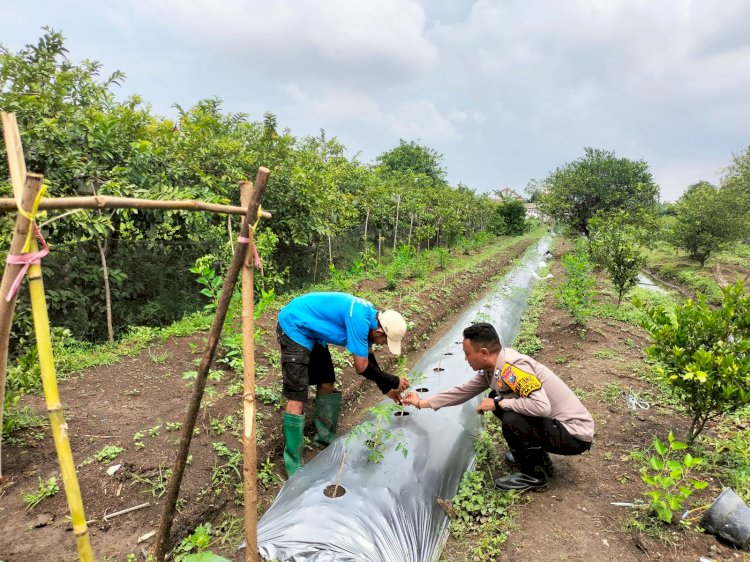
pixel 269 396
pixel 378 434
pixel 669 479
pixel 597 182
pixel 509 219
pixel 414 158
pixel 707 221
pixel 704 353
pixel 527 341
pixel 577 293
pixel 46 489
pixel 732 456
pixel 18 418
pixel 108 453
pixel 197 542
pixel 267 476
pixel 212 281
pixel 615 247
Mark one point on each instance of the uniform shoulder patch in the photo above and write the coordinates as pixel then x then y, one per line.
pixel 519 381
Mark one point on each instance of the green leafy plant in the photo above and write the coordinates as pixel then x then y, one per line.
pixel 46 489
pixel 212 281
pixel 194 543
pixel 108 453
pixel 615 246
pixel 269 396
pixel 703 353
pixel 577 293
pixel 267 475
pixel 669 479
pixel 378 434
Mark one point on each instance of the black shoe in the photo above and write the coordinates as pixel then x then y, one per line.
pixel 547 464
pixel 522 482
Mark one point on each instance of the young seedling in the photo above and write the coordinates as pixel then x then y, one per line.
pixel 46 489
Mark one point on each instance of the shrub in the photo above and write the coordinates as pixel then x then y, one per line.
pixel 704 353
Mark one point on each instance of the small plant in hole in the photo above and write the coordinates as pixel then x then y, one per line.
pixel 46 489
pixel 376 435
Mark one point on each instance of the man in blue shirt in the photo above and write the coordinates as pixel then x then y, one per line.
pixel 306 326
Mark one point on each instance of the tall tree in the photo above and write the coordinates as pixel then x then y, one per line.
pixel 706 221
pixel 598 182
pixel 410 156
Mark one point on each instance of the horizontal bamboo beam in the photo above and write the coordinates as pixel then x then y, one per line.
pixel 106 202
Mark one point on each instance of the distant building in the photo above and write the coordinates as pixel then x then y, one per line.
pixel 507 194
pixel 531 211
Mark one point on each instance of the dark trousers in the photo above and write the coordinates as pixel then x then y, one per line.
pixel 528 432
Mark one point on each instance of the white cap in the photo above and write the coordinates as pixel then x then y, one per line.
pixel 394 326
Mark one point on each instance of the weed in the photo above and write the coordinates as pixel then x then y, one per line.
pixel 604 354
pixel 269 396
pixel 154 431
pixel 190 375
pixel 108 453
pixel 157 485
pixel 195 543
pixel 159 358
pixel 173 426
pixel 46 489
pixel 214 376
pixel 267 475
pixel 611 393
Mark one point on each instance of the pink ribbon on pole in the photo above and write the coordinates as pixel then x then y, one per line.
pixel 26 260
pixel 256 257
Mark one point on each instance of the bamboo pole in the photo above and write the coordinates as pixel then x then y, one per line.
pixel 108 202
pixel 170 501
pixel 249 453
pixel 52 397
pixel 26 196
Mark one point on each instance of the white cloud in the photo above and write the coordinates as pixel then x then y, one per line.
pixel 350 41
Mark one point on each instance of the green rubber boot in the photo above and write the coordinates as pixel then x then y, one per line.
pixel 327 410
pixel 294 426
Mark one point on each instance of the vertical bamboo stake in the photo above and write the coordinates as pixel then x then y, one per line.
pixel 395 230
pixel 52 397
pixel 249 453
pixel 18 177
pixel 170 501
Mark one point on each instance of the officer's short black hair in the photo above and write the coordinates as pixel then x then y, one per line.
pixel 483 334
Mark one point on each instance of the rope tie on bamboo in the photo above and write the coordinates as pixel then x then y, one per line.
pixel 246 240
pixel 26 259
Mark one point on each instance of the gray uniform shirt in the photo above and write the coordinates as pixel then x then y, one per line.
pixel 553 400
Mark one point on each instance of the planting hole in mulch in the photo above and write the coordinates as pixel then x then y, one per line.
pixel 401 414
pixel 448 353
pixel 422 389
pixel 334 491
pixel 458 342
pixel 438 369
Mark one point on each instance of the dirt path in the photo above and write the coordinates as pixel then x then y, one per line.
pixel 574 518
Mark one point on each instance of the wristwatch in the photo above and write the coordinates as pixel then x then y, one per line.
pixel 497 400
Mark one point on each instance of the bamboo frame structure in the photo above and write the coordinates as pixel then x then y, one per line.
pixel 170 501
pixel 26 188
pixel 109 202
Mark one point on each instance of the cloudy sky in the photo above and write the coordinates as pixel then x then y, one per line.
pixel 506 90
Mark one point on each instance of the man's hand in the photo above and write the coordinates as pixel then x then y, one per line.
pixel 395 395
pixel 411 399
pixel 486 405
pixel 403 384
